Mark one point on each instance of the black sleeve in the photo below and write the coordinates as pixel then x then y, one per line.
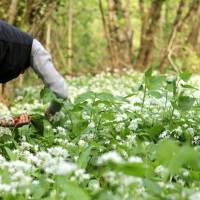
pixel 3 50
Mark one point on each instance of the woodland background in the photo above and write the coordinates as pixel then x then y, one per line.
pixel 90 36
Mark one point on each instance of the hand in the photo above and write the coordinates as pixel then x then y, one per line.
pixel 16 122
pixel 22 120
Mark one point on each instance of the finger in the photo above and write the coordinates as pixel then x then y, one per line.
pixel 23 118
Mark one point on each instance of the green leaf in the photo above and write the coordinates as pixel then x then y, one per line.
pixel 185 76
pixel 107 195
pixel 38 123
pixel 165 151
pixel 155 131
pixel 84 158
pixel 155 82
pixel 132 169
pixel 185 156
pixel 175 157
pixel 107 116
pixel 10 154
pixel 148 72
pixel 152 186
pixel 105 97
pixel 185 103
pixel 155 94
pixel 83 97
pixel 39 190
pixel 189 86
pixel 47 95
pixel 73 191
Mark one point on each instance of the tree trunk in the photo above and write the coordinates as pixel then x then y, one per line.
pixel 113 29
pixel 12 13
pixel 111 50
pixel 125 33
pixel 70 36
pixel 147 34
pixel 118 32
pixel 177 27
pixel 194 36
pixel 48 35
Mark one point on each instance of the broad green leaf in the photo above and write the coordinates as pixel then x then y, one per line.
pixel 155 82
pixel 38 123
pixel 107 195
pixel 148 72
pixel 165 151
pixel 47 95
pixel 84 158
pixel 11 155
pixel 155 131
pixel 107 116
pixel 73 191
pixel 155 94
pixel 132 169
pixel 105 97
pixel 152 186
pixel 185 103
pixel 83 97
pixel 39 190
pixel 185 76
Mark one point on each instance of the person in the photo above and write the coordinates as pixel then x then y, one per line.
pixel 18 52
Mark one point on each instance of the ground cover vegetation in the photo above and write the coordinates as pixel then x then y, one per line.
pixel 117 137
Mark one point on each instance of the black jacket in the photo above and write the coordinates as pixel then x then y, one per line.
pixel 15 51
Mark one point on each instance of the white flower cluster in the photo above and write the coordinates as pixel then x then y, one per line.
pixel 111 156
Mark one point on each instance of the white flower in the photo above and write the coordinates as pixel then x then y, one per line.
pixel 81 175
pixel 135 159
pixel 94 185
pixel 119 126
pixel 111 177
pixel 112 156
pixel 58 152
pixel 185 173
pixel 91 125
pixel 160 170
pixel 60 168
pixel 191 131
pixel 18 165
pixel 85 116
pixel 121 117
pixel 195 196
pixel 82 143
pixel 164 134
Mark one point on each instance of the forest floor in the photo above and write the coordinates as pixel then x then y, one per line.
pixel 119 137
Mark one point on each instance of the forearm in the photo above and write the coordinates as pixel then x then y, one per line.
pixel 44 68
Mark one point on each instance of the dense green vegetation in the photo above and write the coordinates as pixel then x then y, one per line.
pixel 122 134
pixel 114 139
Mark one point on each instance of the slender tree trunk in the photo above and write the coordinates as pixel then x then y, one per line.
pixel 118 32
pixel 125 32
pixel 147 39
pixel 194 36
pixel 70 36
pixel 48 35
pixel 107 35
pixel 13 11
pixel 177 27
pixel 113 29
pixel 37 25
